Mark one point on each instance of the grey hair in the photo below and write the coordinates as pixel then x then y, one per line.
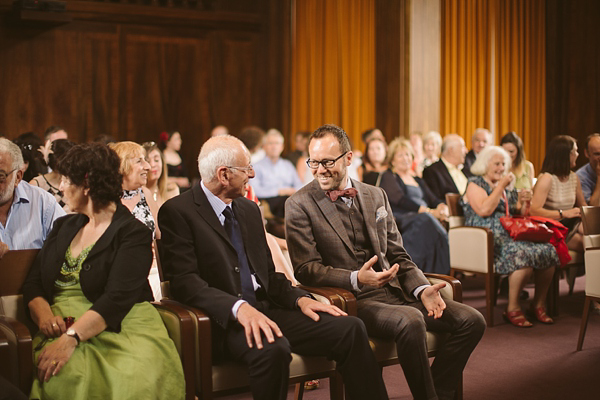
pixel 434 136
pixel 217 152
pixel 6 146
pixel 483 130
pixel 274 132
pixel 450 141
pixel 480 166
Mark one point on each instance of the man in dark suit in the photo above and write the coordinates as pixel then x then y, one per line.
pixel 342 233
pixel 445 175
pixel 481 139
pixel 216 256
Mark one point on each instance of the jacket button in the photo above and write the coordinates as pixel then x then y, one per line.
pixel 236 269
pixel 239 295
pixel 87 267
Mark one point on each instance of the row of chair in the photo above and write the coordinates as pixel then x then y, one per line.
pixel 190 329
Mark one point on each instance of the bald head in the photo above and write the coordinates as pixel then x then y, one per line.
pixel 219 151
pixel 453 149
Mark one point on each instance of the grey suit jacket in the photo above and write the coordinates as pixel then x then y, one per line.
pixel 321 251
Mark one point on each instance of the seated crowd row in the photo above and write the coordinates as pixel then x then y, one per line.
pixel 95 273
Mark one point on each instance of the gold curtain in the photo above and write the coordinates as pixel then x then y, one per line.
pixel 521 74
pixel 508 35
pixel 466 64
pixel 333 65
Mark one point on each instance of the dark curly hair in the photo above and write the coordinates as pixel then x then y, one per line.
pixel 94 166
pixel 59 148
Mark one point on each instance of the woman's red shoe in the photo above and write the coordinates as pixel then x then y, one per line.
pixel 517 318
pixel 540 314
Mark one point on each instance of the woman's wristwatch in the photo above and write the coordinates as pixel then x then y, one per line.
pixel 561 214
pixel 71 332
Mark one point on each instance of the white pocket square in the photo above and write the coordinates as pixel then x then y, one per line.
pixel 381 214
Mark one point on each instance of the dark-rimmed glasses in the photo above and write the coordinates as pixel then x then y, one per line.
pixel 314 164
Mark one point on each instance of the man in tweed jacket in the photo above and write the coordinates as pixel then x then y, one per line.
pixel 342 233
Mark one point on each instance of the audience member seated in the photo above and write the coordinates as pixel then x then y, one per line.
pixel 219 130
pixel 87 292
pixel 137 198
pixel 372 134
pixel 33 160
pixel 521 168
pixel 55 132
pixel 432 148
pixel 445 175
pixel 373 161
pixel 588 174
pixel 484 204
pixel 557 193
pixel 258 317
pixel 170 143
pixel 416 141
pixel 26 212
pixel 50 181
pixel 394 298
pixel 417 211
pixel 480 140
pixel 158 177
pixel 253 138
pixel 300 151
pixel 276 178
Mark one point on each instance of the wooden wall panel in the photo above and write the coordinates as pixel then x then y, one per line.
pixel 573 69
pixel 133 70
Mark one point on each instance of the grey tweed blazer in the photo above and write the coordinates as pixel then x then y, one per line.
pixel 321 251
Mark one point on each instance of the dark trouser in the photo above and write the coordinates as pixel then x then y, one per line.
pixel 385 315
pixel 343 339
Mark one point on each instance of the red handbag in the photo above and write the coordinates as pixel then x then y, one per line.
pixel 522 227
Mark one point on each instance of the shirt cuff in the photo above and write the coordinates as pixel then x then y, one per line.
pixel 236 307
pixel 354 280
pixel 418 291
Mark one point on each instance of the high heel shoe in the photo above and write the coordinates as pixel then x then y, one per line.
pixel 517 318
pixel 540 314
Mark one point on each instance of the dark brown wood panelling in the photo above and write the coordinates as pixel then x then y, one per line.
pixel 134 70
pixel 573 69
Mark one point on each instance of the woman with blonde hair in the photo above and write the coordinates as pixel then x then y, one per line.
pixel 158 177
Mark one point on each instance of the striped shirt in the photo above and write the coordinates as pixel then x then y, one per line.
pixel 30 218
pixel 562 195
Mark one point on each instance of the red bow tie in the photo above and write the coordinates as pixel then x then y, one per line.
pixel 334 194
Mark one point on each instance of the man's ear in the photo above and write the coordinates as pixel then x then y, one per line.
pixel 222 175
pixel 19 173
pixel 349 156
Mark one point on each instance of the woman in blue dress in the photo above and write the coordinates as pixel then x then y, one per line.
pixel 484 203
pixel 417 211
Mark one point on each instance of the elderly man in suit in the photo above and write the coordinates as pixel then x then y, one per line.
pixel 481 139
pixel 445 175
pixel 215 254
pixel 342 233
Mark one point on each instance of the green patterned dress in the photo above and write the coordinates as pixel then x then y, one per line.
pixel 140 362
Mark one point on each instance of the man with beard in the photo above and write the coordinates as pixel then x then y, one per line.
pixel 341 232
pixel 26 212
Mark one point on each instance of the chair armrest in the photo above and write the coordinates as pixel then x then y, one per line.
pixel 452 284
pixel 181 328
pixel 19 338
pixel 342 298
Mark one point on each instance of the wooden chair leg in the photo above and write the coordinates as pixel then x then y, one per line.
pixel 299 391
pixel 584 321
pixel 490 294
pixel 336 387
pixel 571 275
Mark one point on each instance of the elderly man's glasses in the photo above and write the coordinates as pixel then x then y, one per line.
pixel 4 175
pixel 247 169
pixel 314 164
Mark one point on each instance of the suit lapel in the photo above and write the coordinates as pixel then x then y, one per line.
pixel 367 208
pixel 330 212
pixel 207 213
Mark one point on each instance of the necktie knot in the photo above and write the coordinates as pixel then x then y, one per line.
pixel 228 213
pixel 334 194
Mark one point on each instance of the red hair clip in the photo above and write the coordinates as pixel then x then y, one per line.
pixel 164 137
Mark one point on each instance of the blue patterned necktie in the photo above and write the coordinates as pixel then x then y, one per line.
pixel 235 234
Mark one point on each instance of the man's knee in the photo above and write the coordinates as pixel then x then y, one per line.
pixel 276 354
pixel 411 326
pixel 476 323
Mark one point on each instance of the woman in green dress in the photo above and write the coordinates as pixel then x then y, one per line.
pixel 88 292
